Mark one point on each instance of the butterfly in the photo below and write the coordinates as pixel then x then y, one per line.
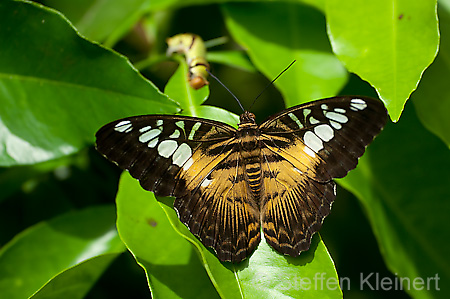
pixel 230 185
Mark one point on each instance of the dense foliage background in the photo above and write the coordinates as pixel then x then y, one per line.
pixel 64 231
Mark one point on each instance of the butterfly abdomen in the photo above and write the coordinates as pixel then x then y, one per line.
pixel 248 135
pixel 253 171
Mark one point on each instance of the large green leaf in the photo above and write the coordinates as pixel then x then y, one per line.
pixel 171 264
pixel 76 281
pixel 432 98
pixel 173 269
pixel 266 271
pixel 57 89
pixel 388 43
pixel 42 252
pixel 99 20
pixel 107 21
pixel 402 182
pixel 274 34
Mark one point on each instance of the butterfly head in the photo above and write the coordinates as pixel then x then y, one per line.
pixel 247 118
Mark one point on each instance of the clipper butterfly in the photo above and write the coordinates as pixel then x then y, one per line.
pixel 230 185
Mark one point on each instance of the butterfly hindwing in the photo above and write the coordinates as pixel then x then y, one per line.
pixel 222 211
pixel 293 206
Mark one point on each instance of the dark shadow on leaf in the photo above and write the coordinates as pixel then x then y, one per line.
pixel 305 257
pixel 201 287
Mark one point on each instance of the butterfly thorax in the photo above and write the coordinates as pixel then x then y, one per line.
pixel 248 136
pixel 248 133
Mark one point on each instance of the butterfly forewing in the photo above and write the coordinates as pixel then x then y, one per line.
pixel 228 182
pixel 325 138
pixel 159 150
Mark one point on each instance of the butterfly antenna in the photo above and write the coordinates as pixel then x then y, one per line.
pixel 217 79
pixel 271 82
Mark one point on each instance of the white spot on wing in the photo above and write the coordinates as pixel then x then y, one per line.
pixel 335 125
pixel 188 164
pixel 167 147
pixel 123 126
pixel 180 124
pixel 145 129
pixel 325 132
pixel 175 134
pixel 336 117
pixel 297 121
pixel 123 123
pixel 206 182
pixel 309 151
pixel 193 130
pixel 182 154
pixel 150 135
pixel 159 122
pixel 313 121
pixel 339 110
pixel 153 143
pixel 358 104
pixel 324 106
pixel 306 112
pixel 312 141
pixel 298 170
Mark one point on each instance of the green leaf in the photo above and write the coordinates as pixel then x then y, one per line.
pixel 318 4
pixel 219 114
pixel 57 89
pixel 388 43
pixel 156 5
pixel 179 90
pixel 164 249
pixel 402 182
pixel 171 264
pixel 76 281
pixel 312 275
pixel 266 271
pixel 432 98
pixel 291 31
pixel 104 21
pixel 47 249
pixel 236 59
pixel 108 21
